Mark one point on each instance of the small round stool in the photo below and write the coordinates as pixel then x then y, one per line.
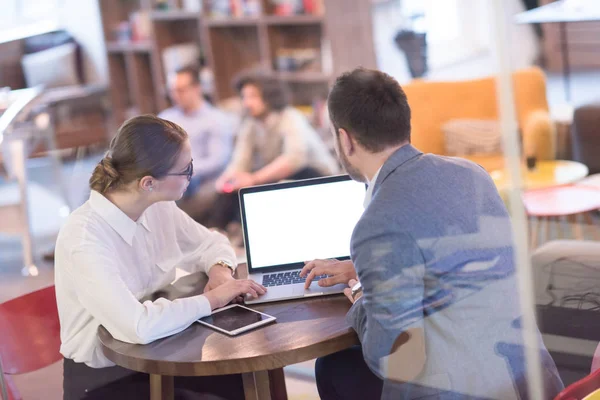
pixel 551 204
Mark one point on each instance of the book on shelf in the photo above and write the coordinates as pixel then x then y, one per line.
pixel 297 7
pixel 235 8
pixel 314 7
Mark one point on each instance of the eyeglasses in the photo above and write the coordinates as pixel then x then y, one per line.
pixel 189 171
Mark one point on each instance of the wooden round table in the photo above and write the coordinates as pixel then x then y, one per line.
pixel 545 174
pixel 304 330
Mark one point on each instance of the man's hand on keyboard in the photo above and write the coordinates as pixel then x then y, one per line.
pixel 336 271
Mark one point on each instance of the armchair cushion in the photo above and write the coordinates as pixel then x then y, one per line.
pixel 539 135
pixel 472 136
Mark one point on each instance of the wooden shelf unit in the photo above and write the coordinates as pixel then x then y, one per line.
pixel 230 46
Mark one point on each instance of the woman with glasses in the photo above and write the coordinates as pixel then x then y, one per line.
pixel 123 244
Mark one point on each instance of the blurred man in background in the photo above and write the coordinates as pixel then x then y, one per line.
pixel 211 136
pixel 276 142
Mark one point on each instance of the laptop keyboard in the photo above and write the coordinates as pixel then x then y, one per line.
pixel 286 278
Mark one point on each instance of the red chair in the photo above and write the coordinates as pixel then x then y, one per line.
pixel 582 388
pixel 596 360
pixel 29 336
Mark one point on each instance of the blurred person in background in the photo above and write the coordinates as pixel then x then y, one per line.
pixel 124 244
pixel 276 142
pixel 437 308
pixel 210 133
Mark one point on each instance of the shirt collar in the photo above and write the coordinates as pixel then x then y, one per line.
pixel 116 218
pixel 143 220
pixel 370 187
pixel 395 161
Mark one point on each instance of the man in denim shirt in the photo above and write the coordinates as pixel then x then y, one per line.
pixel 438 315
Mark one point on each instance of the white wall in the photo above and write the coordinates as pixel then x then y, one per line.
pixel 465 58
pixel 82 19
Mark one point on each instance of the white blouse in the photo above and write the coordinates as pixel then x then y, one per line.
pixel 106 262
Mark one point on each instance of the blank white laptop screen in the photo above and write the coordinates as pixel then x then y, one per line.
pixel 296 224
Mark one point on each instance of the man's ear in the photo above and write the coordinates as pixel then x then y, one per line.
pixel 346 143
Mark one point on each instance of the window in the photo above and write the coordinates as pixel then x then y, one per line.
pixel 442 20
pixel 37 10
pixel 21 18
pixel 455 29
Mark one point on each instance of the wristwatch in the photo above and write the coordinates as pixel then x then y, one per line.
pixel 227 264
pixel 356 289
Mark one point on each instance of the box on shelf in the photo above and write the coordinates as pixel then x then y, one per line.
pixel 141 26
pixel 122 32
pixel 235 8
pixel 288 60
pixel 193 5
pixel 314 7
pixel 296 7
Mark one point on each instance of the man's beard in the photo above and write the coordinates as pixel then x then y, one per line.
pixel 348 167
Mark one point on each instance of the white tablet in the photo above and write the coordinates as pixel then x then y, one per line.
pixel 235 319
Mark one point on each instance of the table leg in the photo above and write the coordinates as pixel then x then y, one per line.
pixel 162 387
pixel 577 227
pixel 256 385
pixel 555 228
pixel 589 220
pixel 546 221
pixel 535 228
pixel 278 388
pixel 563 227
pixel 18 154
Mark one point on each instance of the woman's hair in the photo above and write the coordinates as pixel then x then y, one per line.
pixel 274 94
pixel 144 146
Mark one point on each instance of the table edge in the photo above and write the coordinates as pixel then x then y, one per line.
pixel 237 366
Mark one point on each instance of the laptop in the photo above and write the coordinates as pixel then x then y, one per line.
pixel 286 224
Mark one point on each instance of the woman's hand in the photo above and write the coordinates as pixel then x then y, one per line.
pixel 217 276
pixel 224 294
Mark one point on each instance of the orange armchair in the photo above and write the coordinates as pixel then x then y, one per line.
pixel 435 103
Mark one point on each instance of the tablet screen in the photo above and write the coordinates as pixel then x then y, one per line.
pixel 234 318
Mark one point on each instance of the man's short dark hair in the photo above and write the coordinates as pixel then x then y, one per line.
pixel 192 71
pixel 274 94
pixel 372 107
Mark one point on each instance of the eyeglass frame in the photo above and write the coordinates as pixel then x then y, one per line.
pixel 189 172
